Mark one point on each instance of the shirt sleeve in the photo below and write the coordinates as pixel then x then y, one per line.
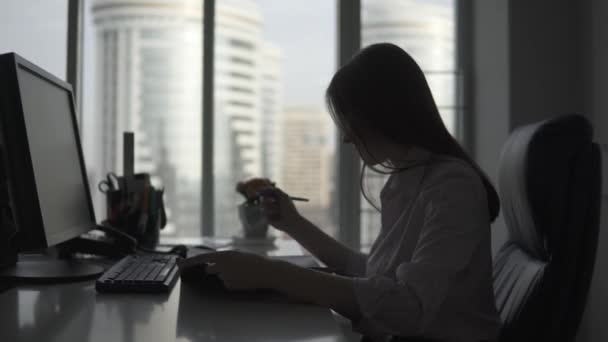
pixel 455 216
pixel 356 265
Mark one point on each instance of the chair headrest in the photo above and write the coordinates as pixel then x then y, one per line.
pixel 535 168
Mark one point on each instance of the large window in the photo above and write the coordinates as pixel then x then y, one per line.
pixel 272 60
pixel 143 73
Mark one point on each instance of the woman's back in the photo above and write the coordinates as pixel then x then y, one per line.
pixel 429 272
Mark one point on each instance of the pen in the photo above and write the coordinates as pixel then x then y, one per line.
pixel 299 199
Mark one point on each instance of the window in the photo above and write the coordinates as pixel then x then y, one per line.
pixel 270 120
pixel 142 73
pixel 426 30
pixel 37 31
pixel 272 60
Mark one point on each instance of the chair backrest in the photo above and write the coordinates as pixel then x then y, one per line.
pixel 550 187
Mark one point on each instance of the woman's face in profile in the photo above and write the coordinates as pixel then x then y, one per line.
pixel 370 149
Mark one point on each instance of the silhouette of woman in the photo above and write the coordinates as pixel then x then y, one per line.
pixel 429 272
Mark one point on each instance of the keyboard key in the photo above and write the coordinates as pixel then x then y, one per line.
pixel 163 274
pixel 155 272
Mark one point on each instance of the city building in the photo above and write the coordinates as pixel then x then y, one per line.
pixel 149 58
pixel 272 112
pixel 307 166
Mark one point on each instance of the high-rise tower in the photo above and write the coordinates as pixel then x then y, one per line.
pixel 149 58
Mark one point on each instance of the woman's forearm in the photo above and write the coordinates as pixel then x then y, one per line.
pixel 331 252
pixel 320 288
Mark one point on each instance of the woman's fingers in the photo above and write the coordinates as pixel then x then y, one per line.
pixel 278 208
pixel 207 259
pixel 270 199
pixel 196 260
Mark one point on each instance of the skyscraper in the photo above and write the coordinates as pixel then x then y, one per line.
pixel 248 98
pixel 272 106
pixel 307 167
pixel 149 56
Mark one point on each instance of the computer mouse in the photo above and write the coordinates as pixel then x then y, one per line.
pixel 180 250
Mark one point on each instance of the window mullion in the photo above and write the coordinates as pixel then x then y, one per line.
pixel 74 53
pixel 348 168
pixel 464 66
pixel 207 177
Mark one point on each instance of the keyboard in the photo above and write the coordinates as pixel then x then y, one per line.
pixel 150 273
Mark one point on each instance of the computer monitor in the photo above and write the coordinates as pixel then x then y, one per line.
pixel 42 163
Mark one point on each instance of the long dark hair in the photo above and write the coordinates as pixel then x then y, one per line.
pixel 383 91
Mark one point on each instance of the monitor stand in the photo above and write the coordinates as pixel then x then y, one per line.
pixel 24 268
pixel 47 269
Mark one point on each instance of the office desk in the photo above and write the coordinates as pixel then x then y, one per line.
pixel 75 312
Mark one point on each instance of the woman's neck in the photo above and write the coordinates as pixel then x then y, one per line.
pixel 406 156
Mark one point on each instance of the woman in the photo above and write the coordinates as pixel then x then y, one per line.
pixel 429 272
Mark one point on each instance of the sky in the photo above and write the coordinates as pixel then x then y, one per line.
pixel 306 33
pixel 37 30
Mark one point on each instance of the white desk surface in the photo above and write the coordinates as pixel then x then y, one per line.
pixel 76 312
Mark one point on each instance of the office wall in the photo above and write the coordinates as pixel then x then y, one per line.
pixel 545 60
pixel 490 83
pixel 595 53
pixel 535 60
pixel 527 68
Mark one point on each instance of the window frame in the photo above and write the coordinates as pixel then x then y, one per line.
pixel 348 168
pixel 465 120
pixel 207 183
pixel 74 53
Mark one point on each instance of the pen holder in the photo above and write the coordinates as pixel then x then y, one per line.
pixel 135 207
pixel 255 224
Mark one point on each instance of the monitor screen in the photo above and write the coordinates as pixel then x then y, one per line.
pixel 54 149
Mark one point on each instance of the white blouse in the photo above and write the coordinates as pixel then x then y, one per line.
pixel 429 272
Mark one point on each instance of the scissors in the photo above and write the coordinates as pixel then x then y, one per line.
pixel 111 183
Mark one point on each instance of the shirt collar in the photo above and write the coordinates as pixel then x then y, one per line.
pixel 408 178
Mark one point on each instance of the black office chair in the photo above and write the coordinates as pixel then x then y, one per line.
pixel 550 185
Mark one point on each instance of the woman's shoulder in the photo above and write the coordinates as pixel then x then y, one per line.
pixel 448 170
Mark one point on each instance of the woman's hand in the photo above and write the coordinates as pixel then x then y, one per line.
pixel 249 189
pixel 238 270
pixel 279 209
pixel 245 271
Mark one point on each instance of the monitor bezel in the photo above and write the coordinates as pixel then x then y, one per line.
pixel 20 172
